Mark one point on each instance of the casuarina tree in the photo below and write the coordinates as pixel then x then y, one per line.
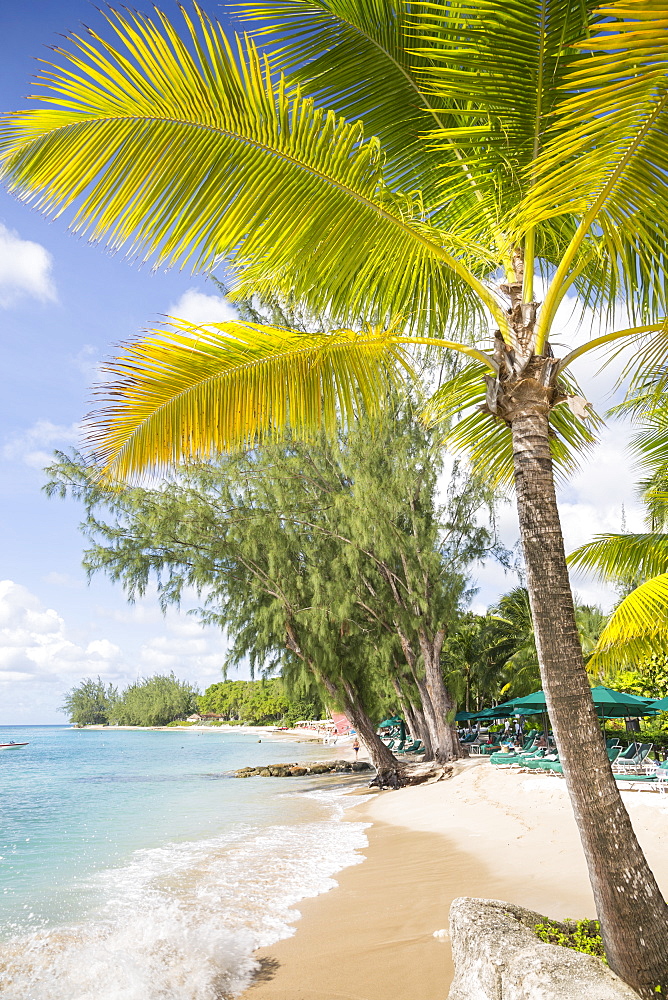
pixel 407 170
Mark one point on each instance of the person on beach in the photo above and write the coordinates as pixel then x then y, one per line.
pixel 356 747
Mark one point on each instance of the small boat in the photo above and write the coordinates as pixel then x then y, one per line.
pixel 12 745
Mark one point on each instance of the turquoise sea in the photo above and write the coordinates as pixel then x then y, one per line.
pixel 134 867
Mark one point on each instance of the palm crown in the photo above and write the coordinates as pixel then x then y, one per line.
pixel 465 149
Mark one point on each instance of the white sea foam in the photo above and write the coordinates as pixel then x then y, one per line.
pixel 181 922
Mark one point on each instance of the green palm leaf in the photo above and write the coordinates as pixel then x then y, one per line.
pixel 192 154
pixel 354 56
pixel 458 405
pixel 637 628
pixel 187 391
pixel 607 157
pixel 623 557
pixel 478 58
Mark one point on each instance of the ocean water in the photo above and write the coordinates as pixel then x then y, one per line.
pixel 134 867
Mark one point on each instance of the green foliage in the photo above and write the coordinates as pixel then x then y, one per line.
pixel 580 935
pixel 281 545
pixel 90 703
pixel 256 702
pixel 648 679
pixel 493 657
pixel 155 701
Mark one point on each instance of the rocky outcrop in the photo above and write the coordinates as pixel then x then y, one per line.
pixel 300 770
pixel 498 956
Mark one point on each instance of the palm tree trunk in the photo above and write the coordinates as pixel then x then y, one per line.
pixel 631 909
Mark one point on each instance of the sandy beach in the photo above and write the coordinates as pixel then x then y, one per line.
pixel 483 832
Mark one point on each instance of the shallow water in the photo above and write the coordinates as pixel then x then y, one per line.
pixel 134 867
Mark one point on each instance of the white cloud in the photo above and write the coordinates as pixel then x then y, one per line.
pixel 30 446
pixel 42 656
pixel 25 269
pixel 34 645
pixel 198 308
pixel 199 656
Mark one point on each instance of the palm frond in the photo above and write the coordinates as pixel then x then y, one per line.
pixel 607 156
pixel 354 56
pixel 478 58
pixel 187 390
pixel 637 628
pixel 188 152
pixel 623 557
pixel 645 375
pixel 487 440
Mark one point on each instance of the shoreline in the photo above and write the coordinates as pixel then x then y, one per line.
pixel 270 733
pixel 483 832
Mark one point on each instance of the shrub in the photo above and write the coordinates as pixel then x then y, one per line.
pixel 580 935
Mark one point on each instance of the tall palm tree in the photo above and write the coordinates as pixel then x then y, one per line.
pixel 510 140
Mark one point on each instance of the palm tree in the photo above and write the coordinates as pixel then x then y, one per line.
pixel 638 627
pixel 510 142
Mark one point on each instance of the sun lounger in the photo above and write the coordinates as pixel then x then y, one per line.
pixel 630 761
pixel 414 747
pixel 639 781
pixel 516 758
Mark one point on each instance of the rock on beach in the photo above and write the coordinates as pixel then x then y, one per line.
pixel 297 770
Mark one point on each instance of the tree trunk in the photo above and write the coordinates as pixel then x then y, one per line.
pixel 407 709
pixel 633 914
pixel 416 721
pixel 381 758
pixel 429 715
pixel 448 746
pixel 423 732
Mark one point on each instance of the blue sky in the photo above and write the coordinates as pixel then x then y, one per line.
pixel 63 305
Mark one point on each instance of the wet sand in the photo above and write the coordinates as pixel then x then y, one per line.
pixel 484 832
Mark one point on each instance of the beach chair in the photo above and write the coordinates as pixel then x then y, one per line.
pixel 626 756
pixel 513 759
pixel 638 781
pixel 632 762
pixel 415 747
pixel 551 764
pixel 534 762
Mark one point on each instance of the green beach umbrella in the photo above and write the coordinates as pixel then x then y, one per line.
pixel 530 704
pixel 465 716
pixel 495 712
pixel 660 705
pixel 391 723
pixel 619 704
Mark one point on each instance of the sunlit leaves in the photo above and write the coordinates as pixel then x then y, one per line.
pixel 637 628
pixel 623 557
pixel 607 155
pixel 187 391
pixel 186 150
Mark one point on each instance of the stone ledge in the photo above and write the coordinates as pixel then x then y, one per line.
pixel 498 956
